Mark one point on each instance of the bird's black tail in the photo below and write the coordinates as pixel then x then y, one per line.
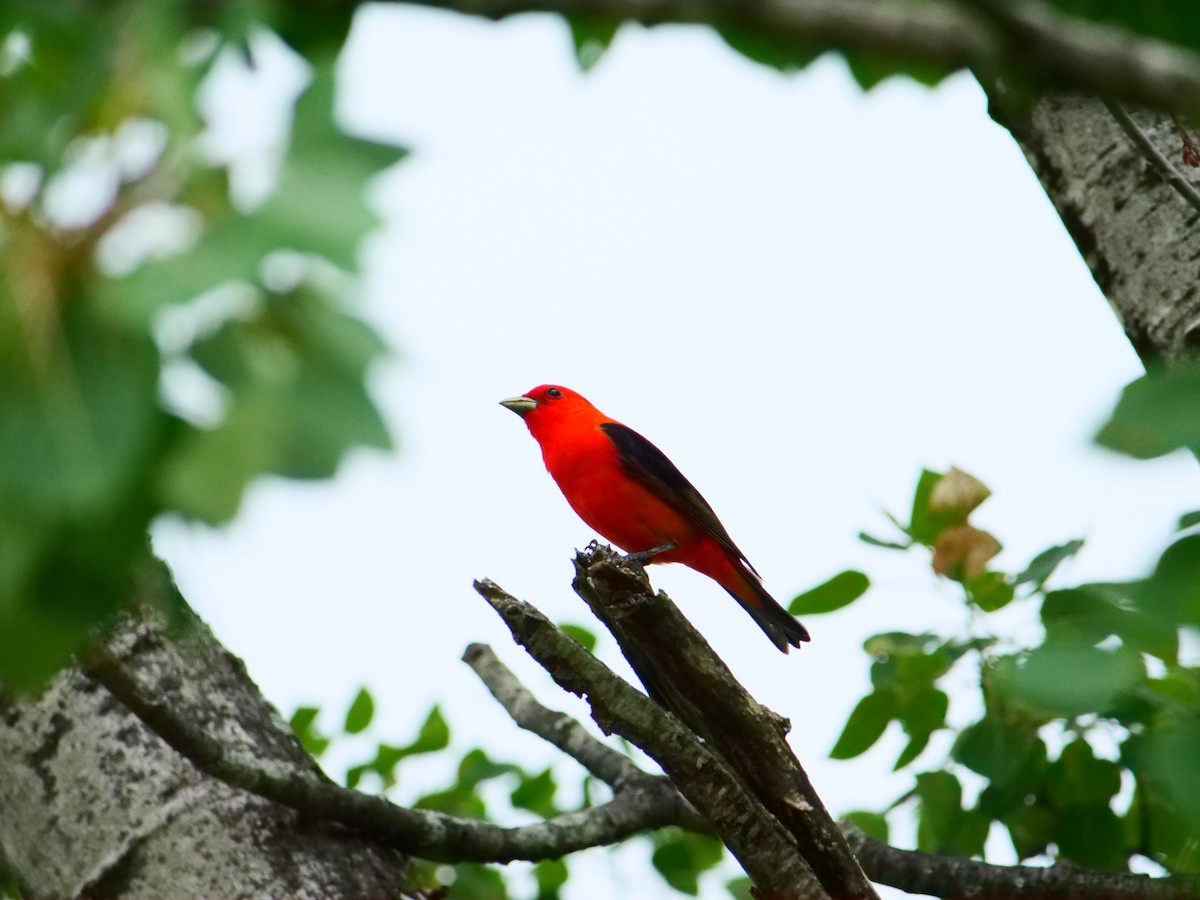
pixel 777 623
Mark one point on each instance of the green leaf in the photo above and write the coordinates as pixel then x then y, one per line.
pixel 740 888
pixel 682 856
pixel 871 824
pixel 1156 414
pixel 1042 566
pixel 943 826
pixel 1092 612
pixel 1188 520
pixel 536 794
pixel 865 725
pixel 1067 678
pixel 1091 835
pixel 581 634
pixel 360 713
pixel 303 723
pixel 782 54
pixel 1078 778
pixel 474 881
pixel 591 35
pixel 840 590
pixel 551 876
pixel 927 521
pixel 434 734
pixel 990 591
pixel 1170 762
pixel 319 205
pixel 1030 827
pixel 1003 749
pixel 921 714
pixel 870 70
pixel 1173 592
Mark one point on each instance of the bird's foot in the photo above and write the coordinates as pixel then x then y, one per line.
pixel 644 556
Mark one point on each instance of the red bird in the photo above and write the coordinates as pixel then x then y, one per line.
pixel 626 489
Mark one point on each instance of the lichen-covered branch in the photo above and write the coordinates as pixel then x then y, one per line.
pixel 1050 48
pixel 954 877
pixel 765 850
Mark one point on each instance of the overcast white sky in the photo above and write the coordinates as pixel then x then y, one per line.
pixel 801 293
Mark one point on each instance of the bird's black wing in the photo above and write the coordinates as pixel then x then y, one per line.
pixel 647 464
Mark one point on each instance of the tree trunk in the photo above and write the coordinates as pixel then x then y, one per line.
pixel 1125 206
pixel 96 804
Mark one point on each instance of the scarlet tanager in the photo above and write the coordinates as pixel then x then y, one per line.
pixel 626 489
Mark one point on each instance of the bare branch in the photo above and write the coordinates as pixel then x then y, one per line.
pixel 1044 45
pixel 765 850
pixel 946 876
pixel 430 835
pixel 555 727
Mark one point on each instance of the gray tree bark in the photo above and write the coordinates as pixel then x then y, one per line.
pixel 93 803
pixel 1120 184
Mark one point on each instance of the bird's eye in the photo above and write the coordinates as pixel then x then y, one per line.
pixel 553 393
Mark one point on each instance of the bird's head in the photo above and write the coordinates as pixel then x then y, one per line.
pixel 548 403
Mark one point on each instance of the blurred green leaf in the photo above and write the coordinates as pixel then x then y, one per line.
pixel 1188 520
pixel 1092 612
pixel 1030 827
pixel 1172 592
pixel 990 591
pixel 1170 760
pixel 360 713
pixel 591 35
pixel 1079 778
pixel 681 857
pixel 943 826
pixel 1067 678
pixel 434 734
pixel 739 888
pixel 1042 566
pixel 784 55
pixel 865 725
pixel 551 876
pixel 926 522
pixel 840 590
pixel 1156 414
pixel 536 794
pixel 921 714
pixel 1004 750
pixel 869 823
pixel 303 723
pixel 581 634
pixel 474 881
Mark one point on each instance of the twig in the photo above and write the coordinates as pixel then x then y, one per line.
pixel 944 876
pixel 1154 156
pixel 557 728
pixel 430 835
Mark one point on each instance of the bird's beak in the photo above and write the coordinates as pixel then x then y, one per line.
pixel 522 406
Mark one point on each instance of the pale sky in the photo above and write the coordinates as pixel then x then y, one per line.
pixel 800 292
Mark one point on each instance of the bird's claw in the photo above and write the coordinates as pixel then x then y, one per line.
pixel 644 556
